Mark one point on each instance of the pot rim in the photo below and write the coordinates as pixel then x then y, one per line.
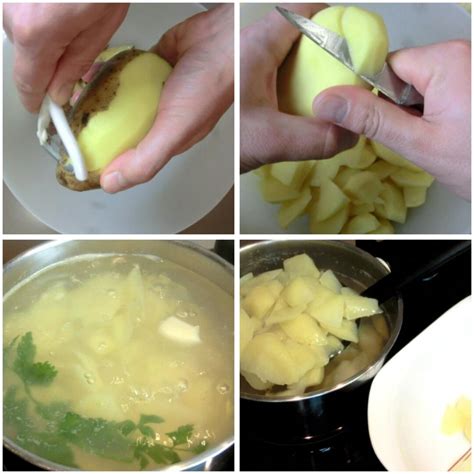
pixel 346 383
pixel 43 463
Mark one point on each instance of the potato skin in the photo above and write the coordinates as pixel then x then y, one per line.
pixel 68 180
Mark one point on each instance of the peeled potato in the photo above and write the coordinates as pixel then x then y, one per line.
pixel 117 113
pixel 357 306
pixel 393 205
pixel 274 191
pixel 291 174
pixel 255 382
pixel 367 38
pixel 329 312
pixel 329 280
pixel 363 187
pixel 298 292
pixel 247 329
pixel 391 157
pixel 414 196
pixel 259 301
pixel 361 224
pixel 332 225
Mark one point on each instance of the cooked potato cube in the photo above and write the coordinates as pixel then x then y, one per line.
pixel 290 210
pixel 361 224
pixel 381 326
pixel 245 278
pixel 305 330
pixel 276 361
pixel 328 313
pixel 259 280
pixel 370 341
pixel 333 346
pixel 357 306
pixel 329 280
pixel 275 287
pixel 347 330
pixel 247 329
pixel 255 382
pixel 298 292
pixel 301 265
pixel 259 302
pixel 312 378
pixel 282 314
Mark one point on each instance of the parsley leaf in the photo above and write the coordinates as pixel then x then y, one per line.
pixel 39 373
pixel 150 419
pixel 200 448
pixel 97 436
pixel 181 435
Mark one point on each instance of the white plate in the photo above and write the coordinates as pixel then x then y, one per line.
pixel 408 24
pixel 409 395
pixel 181 194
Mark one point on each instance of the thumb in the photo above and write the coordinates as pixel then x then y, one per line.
pixel 362 112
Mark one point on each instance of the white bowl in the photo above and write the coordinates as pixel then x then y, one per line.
pixel 409 395
pixel 408 24
pixel 182 193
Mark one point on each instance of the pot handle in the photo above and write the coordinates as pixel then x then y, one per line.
pixel 396 282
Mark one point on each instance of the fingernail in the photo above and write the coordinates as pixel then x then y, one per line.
pixel 63 94
pixel 114 182
pixel 331 108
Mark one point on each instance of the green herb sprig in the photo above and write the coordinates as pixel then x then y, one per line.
pixel 124 441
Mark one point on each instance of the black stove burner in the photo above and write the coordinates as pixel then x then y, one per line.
pixel 349 448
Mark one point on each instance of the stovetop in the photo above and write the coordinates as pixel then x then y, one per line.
pixel 349 448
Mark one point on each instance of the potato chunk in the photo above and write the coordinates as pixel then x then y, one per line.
pixel 331 200
pixel 300 291
pixel 301 265
pixel 305 330
pixel 259 301
pixel 328 313
pixel 357 306
pixel 276 361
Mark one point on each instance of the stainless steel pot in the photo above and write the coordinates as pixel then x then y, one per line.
pixel 186 254
pixel 319 413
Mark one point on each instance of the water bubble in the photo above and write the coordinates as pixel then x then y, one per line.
pixel 183 385
pixel 223 388
pixel 89 378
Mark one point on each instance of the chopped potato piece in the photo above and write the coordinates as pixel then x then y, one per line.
pixel 392 157
pixel 363 208
pixel 290 210
pixel 255 382
pixel 393 206
pixel 250 283
pixel 331 200
pixel 329 280
pixel 347 331
pixel 367 157
pixel 361 224
pixel 324 169
pixel 305 330
pixel 312 378
pixel 414 196
pixel 344 175
pixel 274 191
pixel 333 225
pixel 286 313
pixel 328 313
pixel 382 169
pixel 357 306
pixel 301 265
pixel 405 177
pixel 298 292
pixel 276 361
pixel 385 227
pixel 259 301
pixel 291 173
pixel 363 186
pixel 247 329
pixel 380 324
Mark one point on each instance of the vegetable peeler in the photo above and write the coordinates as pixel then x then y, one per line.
pixel 386 81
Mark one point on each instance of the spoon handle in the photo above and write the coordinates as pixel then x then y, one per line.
pixel 394 283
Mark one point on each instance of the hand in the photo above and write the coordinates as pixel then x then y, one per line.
pixel 56 43
pixel 197 93
pixel 438 141
pixel 267 135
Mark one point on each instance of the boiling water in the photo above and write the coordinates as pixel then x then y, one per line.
pixel 96 319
